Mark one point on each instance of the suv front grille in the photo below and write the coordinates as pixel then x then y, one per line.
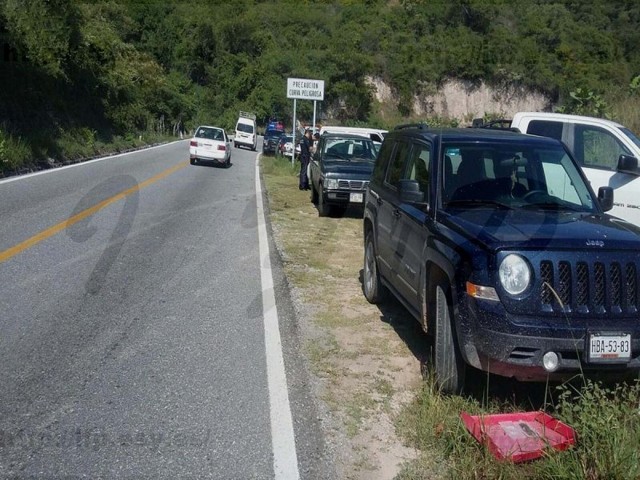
pixel 585 287
pixel 353 184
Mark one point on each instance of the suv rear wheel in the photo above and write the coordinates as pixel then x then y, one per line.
pixel 448 365
pixel 374 291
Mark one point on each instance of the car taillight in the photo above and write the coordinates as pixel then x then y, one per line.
pixel 222 147
pixel 193 143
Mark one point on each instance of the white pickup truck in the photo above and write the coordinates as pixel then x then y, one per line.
pixel 607 151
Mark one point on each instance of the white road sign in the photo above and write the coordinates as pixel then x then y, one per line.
pixel 305 89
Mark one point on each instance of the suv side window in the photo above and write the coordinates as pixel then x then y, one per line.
pixel 418 167
pixel 394 173
pixel 595 147
pixel 545 128
pixel 377 177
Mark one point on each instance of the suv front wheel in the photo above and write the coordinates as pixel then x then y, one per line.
pixel 323 207
pixel 374 291
pixel 448 365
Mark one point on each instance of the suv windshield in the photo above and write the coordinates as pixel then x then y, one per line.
pixel 349 149
pixel 513 176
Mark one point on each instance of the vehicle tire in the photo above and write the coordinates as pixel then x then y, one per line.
pixel 323 207
pixel 448 366
pixel 372 287
pixel 314 194
pixel 192 161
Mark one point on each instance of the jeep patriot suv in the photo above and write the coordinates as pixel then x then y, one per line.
pixel 496 244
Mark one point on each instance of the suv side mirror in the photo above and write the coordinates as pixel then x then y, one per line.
pixel 605 197
pixel 410 192
pixel 627 164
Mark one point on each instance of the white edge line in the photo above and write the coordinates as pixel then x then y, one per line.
pixel 285 460
pixel 79 164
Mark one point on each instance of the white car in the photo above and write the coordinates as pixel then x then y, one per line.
pixel 210 144
pixel 608 152
pixel 285 145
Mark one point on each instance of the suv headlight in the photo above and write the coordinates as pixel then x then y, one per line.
pixel 515 274
pixel 331 183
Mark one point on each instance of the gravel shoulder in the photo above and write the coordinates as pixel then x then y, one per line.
pixel 364 359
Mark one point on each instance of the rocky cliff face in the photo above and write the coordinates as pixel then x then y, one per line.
pixel 465 101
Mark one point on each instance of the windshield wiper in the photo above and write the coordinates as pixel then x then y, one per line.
pixel 554 206
pixel 478 203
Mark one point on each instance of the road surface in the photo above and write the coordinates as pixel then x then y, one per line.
pixel 134 302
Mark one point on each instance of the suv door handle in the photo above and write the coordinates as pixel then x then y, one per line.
pixel 396 213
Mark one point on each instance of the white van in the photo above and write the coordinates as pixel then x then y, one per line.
pixel 374 134
pixel 607 151
pixel 246 133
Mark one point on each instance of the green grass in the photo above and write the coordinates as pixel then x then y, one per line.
pixel 18 154
pixel 606 420
pixel 14 152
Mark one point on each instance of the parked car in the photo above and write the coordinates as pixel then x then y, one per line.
pixel 270 140
pixel 507 276
pixel 210 144
pixel 339 171
pixel 285 145
pixel 607 151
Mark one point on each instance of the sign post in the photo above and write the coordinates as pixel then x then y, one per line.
pixel 303 89
pixel 293 132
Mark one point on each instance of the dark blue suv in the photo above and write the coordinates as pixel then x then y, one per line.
pixel 497 245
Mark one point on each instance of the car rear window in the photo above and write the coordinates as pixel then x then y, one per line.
pixel 210 133
pixel 243 127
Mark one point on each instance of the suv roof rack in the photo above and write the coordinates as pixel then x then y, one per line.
pixel 421 126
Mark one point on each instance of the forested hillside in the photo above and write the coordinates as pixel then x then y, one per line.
pixel 79 78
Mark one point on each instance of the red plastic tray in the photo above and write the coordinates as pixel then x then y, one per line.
pixel 519 437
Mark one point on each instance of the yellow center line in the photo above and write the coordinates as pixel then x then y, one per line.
pixel 49 232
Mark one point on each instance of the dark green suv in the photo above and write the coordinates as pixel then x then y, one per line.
pixel 496 244
pixel 339 171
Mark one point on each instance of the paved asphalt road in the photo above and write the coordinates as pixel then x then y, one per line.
pixel 132 333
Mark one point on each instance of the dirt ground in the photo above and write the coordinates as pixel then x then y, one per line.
pixel 366 359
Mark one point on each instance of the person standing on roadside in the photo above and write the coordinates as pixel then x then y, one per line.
pixel 305 157
pixel 316 139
